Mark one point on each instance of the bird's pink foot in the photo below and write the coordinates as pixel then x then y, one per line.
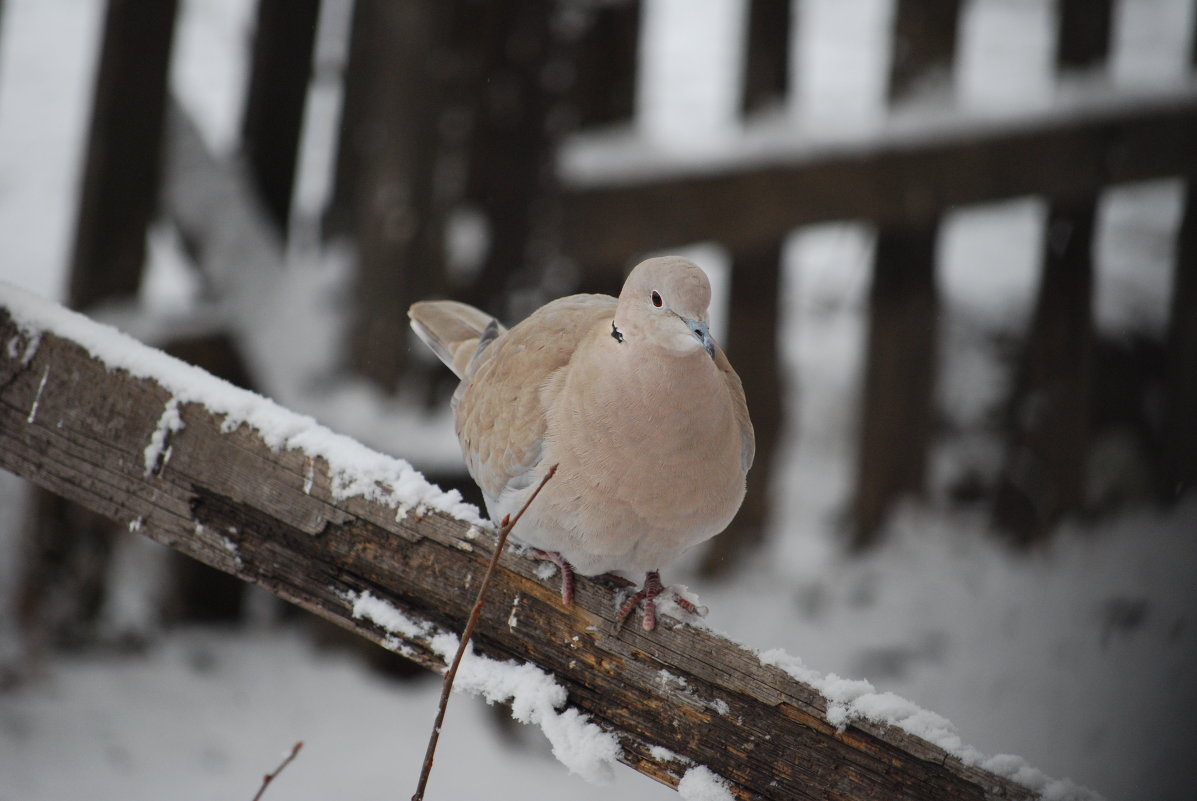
pixel 647 595
pixel 567 572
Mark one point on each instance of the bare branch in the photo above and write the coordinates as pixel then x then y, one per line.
pixel 475 613
pixel 269 777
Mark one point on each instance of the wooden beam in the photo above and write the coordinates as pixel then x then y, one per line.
pixel 909 178
pixel 279 515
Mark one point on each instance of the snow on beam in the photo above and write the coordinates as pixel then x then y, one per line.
pixel 234 480
pixel 615 204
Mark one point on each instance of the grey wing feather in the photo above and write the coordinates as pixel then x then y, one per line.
pixel 456 332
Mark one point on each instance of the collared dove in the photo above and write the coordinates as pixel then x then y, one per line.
pixel 631 398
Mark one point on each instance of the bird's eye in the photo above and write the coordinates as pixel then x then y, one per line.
pixel 656 299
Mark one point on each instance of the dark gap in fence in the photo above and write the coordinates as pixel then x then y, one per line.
pixel 924 46
pixel 767 54
pixel 1083 34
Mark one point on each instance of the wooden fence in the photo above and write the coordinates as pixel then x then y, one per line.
pixel 454 104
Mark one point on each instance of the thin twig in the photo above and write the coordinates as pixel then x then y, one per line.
pixel 447 683
pixel 269 777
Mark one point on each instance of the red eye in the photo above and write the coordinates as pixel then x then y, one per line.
pixel 656 298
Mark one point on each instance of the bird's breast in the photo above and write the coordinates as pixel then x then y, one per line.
pixel 659 438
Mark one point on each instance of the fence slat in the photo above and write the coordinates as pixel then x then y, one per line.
pixel 124 146
pixel 901 356
pixel 1048 428
pixel 1181 439
pixel 754 320
pixel 399 218
pixel 1043 478
pixel 899 369
pixel 517 127
pixel 604 89
pixel 61 583
pixel 280 72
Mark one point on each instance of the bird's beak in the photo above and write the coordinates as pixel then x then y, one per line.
pixel 703 332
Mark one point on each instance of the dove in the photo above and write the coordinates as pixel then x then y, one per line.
pixel 631 398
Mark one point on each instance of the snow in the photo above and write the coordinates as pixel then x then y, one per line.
pixel 157 453
pixel 203 714
pixel 535 697
pixel 356 470
pixel 854 699
pixel 1078 656
pixel 700 784
pixel 37 399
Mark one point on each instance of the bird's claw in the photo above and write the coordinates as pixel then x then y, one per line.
pixel 647 595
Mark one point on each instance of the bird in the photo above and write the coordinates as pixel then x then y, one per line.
pixel 633 401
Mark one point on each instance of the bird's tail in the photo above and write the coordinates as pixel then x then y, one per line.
pixel 456 332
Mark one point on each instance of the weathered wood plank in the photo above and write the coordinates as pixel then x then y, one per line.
pixel 1181 415
pixel 280 70
pixel 899 385
pixel 124 143
pixel 71 424
pixel 902 179
pixel 1048 420
pixel 753 323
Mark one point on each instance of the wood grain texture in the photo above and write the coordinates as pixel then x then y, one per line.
pixel 71 425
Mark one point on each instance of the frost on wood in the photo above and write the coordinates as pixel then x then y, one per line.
pixel 535 697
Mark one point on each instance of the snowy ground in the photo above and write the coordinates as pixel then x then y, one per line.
pixel 1078 657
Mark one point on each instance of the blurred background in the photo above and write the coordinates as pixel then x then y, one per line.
pixel 954 251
